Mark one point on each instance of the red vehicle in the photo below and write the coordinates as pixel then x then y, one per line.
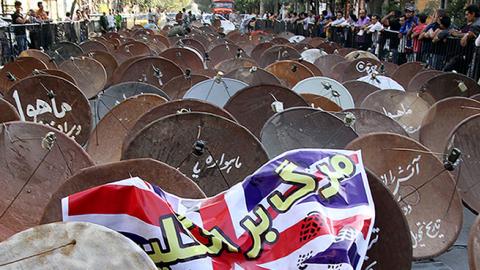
pixel 223 7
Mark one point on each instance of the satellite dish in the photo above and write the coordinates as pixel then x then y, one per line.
pixel 289 72
pixel 92 45
pixel 33 172
pixel 232 64
pixel 210 73
pixel 476 97
pixel 442 118
pixel 152 171
pixel 64 50
pixel 463 137
pixel 253 76
pixel 254 105
pixel 55 102
pixel 381 82
pixel 420 184
pixel 88 73
pixel 408 109
pixel 216 91
pixel 448 85
pixel 217 163
pixel 185 58
pixel 295 39
pixel 344 51
pixel 280 40
pixel 40 55
pixel 325 63
pixel 360 54
pixel 321 102
pixel 406 72
pixel 314 69
pixel 260 49
pixel 13 72
pixel 304 128
pixel 7 112
pixel 105 144
pixel 114 95
pixel 192 43
pixel 368 121
pixel 178 86
pixel 474 246
pixel 122 67
pixel 108 62
pixel 57 73
pixel 328 88
pixel 359 90
pixel 131 49
pixel 358 68
pixel 163 39
pixel 278 53
pixel 418 81
pixel 389 68
pixel 224 51
pixel 72 245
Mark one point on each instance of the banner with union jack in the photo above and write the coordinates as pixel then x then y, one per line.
pixel 305 209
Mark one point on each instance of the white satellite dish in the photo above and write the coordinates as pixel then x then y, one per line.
pixel 311 55
pixel 328 88
pixel 216 91
pixel 382 82
pixel 296 39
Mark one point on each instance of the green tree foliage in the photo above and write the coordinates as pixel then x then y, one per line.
pixel 456 11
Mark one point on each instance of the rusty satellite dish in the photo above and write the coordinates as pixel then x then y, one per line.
pixel 278 53
pixel 388 68
pixel 368 121
pixel 192 43
pixel 115 94
pixel 465 137
pixel 382 82
pixel 420 184
pixel 408 109
pixel 321 102
pixel 232 64
pixel 300 47
pixel 131 49
pixel 92 45
pixel 185 58
pixel 217 90
pixel 289 72
pixel 325 63
pixel 253 76
pixel 279 41
pixel 105 144
pixel 7 112
pixel 88 73
pixel 40 55
pixel 153 70
pixel 328 47
pixel 358 68
pixel 391 246
pixel 259 49
pixel 217 161
pixel 359 90
pixel 31 172
pixel 406 72
pixel 254 105
pixel 314 69
pixel 122 67
pixel 448 85
pixel 108 62
pixel 64 50
pixel 304 128
pixel 224 51
pixel 56 72
pixel 474 245
pixel 345 51
pixel 74 246
pixel 328 88
pixel 360 54
pixel 418 80
pixel 442 118
pixel 55 102
pixel 178 86
pixel 210 73
pixel 476 97
pixel 149 170
pixel 15 71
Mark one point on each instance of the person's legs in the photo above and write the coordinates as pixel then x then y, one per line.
pixel 21 43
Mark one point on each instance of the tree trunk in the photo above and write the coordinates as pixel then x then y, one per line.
pixel 262 7
pixel 72 9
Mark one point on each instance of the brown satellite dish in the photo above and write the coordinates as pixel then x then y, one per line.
pixel 360 54
pixel 289 72
pixel 326 62
pixel 314 42
pixel 110 35
pixel 92 45
pixel 31 173
pixel 74 246
pixel 358 68
pixel 185 58
pixel 115 42
pixel 222 162
pixel 153 70
pixel 280 41
pixel 252 106
pixel 88 73
pixel 420 184
pixel 108 62
pixel 192 43
pixel 131 49
pixel 224 51
pixel 418 80
pixel 259 49
pixel 105 144
pixel 278 53
pixel 228 65
pixel 474 245
pixel 55 102
pixel 210 73
pixel 442 118
pixel 7 112
pixel 389 68
pixel 448 85
pixel 58 73
pixel 64 50
pixel 465 137
pixel 327 47
pixel 314 69
pixel 304 128
pixel 476 97
pixel 345 51
pixel 152 171
pixel 14 71
pixel 40 55
pixel 110 46
pixel 368 121
pixel 216 40
pixel 406 72
pixel 253 76
pixel 178 86
pixel 408 109
pixel 390 242
pixel 117 75
pixel 202 38
pixel 300 47
pixel 321 102
pixel 359 90
pixel 338 70
pixel 175 107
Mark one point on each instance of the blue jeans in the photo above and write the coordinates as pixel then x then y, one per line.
pixel 21 43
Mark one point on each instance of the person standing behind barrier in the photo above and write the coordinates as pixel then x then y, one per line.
pixel 414 33
pixel 19 31
pixel 360 25
pixel 374 28
pixel 104 22
pixel 392 22
pixel 40 13
pixel 110 21
pixel 118 20
pixel 439 39
pixel 410 21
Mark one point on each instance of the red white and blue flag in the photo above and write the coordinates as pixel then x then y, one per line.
pixel 305 209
